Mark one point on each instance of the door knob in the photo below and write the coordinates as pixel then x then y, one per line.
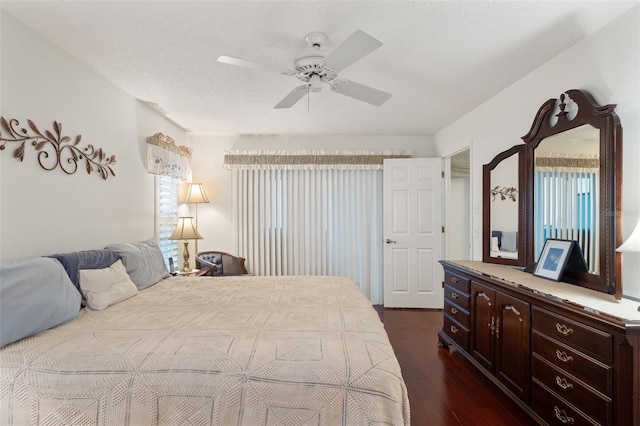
pixel 388 241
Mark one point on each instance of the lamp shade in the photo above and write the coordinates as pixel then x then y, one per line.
pixel 196 194
pixel 185 230
pixel 633 242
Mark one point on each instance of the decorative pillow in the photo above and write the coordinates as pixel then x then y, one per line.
pixel 498 235
pixel 35 295
pixel 106 287
pixel 143 261
pixel 87 259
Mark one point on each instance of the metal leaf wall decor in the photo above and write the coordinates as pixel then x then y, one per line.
pixel 55 150
pixel 504 193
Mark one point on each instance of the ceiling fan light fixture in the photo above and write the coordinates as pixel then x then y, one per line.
pixel 315 83
pixel 313 67
pixel 316 39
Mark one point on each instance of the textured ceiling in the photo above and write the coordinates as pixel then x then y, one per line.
pixel 440 59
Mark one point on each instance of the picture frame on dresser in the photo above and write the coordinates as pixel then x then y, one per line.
pixel 559 256
pixel 553 258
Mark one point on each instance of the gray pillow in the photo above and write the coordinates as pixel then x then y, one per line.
pixel 35 295
pixel 509 241
pixel 143 261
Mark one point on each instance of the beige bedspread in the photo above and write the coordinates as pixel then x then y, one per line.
pixel 212 351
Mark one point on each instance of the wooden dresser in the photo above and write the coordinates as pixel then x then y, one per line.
pixel 565 354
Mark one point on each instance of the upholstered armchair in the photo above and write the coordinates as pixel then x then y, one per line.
pixel 219 263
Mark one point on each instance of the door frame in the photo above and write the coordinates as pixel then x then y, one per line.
pixel 447 205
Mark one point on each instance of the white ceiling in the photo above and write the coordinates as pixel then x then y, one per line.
pixel 440 59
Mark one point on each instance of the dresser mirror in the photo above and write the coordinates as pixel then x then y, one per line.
pixel 568 184
pixel 566 192
pixel 573 178
pixel 503 227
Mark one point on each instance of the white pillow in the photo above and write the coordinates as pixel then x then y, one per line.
pixel 106 287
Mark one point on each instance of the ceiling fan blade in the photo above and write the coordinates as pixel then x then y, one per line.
pixel 357 46
pixel 360 92
pixel 294 96
pixel 252 64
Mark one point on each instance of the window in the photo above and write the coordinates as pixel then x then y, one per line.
pixel 167 215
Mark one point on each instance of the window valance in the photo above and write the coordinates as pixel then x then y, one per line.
pixel 309 160
pixel 576 163
pixel 166 158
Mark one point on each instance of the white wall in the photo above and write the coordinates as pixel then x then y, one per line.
pixel 215 221
pixel 607 64
pixel 43 212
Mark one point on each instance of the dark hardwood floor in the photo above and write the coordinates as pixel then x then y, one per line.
pixel 444 388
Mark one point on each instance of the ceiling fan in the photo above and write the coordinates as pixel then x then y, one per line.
pixel 314 67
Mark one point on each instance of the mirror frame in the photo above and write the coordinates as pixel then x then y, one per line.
pixel 607 122
pixel 518 150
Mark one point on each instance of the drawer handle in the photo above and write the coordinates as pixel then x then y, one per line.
pixel 454 295
pixel 454 280
pixel 562 356
pixel 562 416
pixel 454 311
pixel 563 383
pixel 563 329
pixel 454 329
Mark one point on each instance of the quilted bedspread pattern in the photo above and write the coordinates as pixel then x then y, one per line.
pixel 212 351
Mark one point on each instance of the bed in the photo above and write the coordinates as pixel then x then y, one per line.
pixel 211 351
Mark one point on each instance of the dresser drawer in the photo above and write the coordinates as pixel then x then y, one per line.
pixel 589 370
pixel 593 342
pixel 556 411
pixel 456 296
pixel 594 404
pixel 457 332
pixel 458 282
pixel 456 312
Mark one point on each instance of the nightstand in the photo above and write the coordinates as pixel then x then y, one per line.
pixel 188 273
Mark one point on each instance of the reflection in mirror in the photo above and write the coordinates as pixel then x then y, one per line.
pixel 504 209
pixel 566 191
pixel 503 224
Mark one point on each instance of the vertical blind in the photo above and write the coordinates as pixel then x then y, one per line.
pixel 311 222
pixel 567 202
pixel 311 213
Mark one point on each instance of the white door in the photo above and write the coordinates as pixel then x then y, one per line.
pixel 412 196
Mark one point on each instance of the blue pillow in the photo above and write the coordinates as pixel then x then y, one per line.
pixel 143 261
pixel 35 295
pixel 87 259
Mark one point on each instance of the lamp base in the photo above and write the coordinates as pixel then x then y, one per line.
pixel 185 258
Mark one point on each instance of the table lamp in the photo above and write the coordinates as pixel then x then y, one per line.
pixel 185 231
pixel 632 244
pixel 196 195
